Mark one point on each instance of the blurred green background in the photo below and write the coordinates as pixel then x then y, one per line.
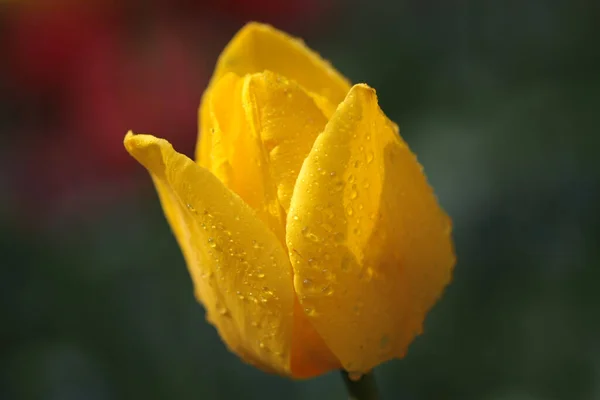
pixel 500 100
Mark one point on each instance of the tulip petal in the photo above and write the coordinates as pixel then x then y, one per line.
pixel 370 246
pixel 240 270
pixel 237 156
pixel 259 47
pixel 287 121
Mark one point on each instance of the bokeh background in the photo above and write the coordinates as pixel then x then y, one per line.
pixel 500 100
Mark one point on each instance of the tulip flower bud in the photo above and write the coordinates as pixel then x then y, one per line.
pixel 309 229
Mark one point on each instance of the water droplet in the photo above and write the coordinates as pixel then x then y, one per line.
pixel 190 207
pixel 309 311
pixel 366 185
pixel 356 164
pixel 310 235
pixel 256 245
pixel 353 194
pixel 368 137
pixel 354 376
pixel 261 345
pixel 338 186
pixel 349 210
pixel 295 217
pixel 240 295
pixel 351 178
pixel 211 242
pixel 206 275
pixel 332 173
pixel 223 311
pixel 259 273
pixel 307 283
pixel 370 157
pixel 327 290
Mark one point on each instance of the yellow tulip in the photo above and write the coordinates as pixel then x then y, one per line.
pixel 309 229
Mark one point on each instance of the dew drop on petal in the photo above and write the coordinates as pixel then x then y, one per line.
pixel 223 311
pixel 354 376
pixel 327 290
pixel 370 157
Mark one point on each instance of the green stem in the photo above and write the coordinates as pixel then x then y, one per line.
pixel 364 388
